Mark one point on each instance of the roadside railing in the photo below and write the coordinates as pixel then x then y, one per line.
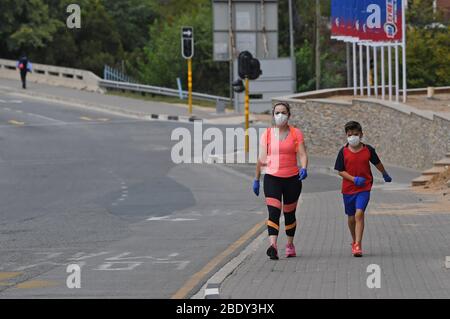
pixel 106 84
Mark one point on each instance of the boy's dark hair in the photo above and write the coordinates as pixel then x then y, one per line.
pixel 353 126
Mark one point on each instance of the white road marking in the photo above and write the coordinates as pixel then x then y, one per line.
pixel 181 264
pixel 49 255
pixel 47 118
pixel 122 261
pixel 84 256
pixel 212 291
pixel 127 265
pixel 167 218
pixel 123 257
pixel 22 268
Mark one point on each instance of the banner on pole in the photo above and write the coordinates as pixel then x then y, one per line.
pixel 366 20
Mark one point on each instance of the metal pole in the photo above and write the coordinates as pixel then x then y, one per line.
pixel 355 91
pixel 404 2
pixel 247 106
pixel 361 71
pixel 349 71
pixel 318 70
pixel 375 71
pixel 383 83
pixel 291 40
pixel 390 71
pixel 231 50
pixel 397 84
pixel 368 69
pixel 190 85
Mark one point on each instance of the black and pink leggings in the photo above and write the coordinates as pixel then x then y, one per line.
pixel 288 189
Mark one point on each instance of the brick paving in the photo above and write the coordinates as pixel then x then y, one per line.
pixel 408 241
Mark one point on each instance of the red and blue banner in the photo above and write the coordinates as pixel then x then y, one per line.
pixel 366 20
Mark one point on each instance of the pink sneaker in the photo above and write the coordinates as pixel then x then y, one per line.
pixel 290 250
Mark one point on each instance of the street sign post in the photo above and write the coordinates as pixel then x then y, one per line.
pixel 187 51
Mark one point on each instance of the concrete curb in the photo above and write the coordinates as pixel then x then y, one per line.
pixel 211 290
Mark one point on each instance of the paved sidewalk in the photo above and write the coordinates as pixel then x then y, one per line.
pixel 119 104
pixel 407 235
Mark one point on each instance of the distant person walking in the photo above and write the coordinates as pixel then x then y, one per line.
pixel 24 66
pixel 282 149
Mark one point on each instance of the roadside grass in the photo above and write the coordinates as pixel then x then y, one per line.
pixel 162 98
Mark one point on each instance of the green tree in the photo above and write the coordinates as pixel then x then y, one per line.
pixel 428 57
pixel 26 26
pixel 163 62
pixel 97 42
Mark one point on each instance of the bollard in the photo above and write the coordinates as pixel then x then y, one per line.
pixel 220 106
pixel 430 92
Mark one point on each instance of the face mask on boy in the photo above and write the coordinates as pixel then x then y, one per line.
pixel 353 140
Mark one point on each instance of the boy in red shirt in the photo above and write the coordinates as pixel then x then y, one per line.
pixel 353 165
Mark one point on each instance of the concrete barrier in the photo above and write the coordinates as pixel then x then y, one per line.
pixel 402 135
pixel 53 75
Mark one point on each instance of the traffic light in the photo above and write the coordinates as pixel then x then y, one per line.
pixel 248 67
pixel 187 48
pixel 187 42
pixel 238 86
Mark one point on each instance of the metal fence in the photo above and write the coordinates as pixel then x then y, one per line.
pixel 126 86
pixel 113 74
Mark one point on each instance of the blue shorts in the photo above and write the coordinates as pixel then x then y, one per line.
pixel 352 202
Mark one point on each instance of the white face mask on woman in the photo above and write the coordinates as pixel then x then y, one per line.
pixel 280 119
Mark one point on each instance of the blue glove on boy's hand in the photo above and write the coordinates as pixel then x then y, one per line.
pixel 256 187
pixel 359 181
pixel 387 178
pixel 303 174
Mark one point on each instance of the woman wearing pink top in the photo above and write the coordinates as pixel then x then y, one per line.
pixel 282 148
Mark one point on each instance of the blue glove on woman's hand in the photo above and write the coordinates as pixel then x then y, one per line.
pixel 387 178
pixel 359 181
pixel 303 174
pixel 256 187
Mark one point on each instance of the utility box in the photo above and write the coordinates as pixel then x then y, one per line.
pixel 276 80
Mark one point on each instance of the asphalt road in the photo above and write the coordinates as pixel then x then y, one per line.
pixel 100 191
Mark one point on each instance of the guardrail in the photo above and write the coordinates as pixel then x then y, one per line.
pixel 158 90
pixel 53 75
pixel 86 80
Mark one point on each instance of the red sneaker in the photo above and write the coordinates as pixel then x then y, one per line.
pixel 357 250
